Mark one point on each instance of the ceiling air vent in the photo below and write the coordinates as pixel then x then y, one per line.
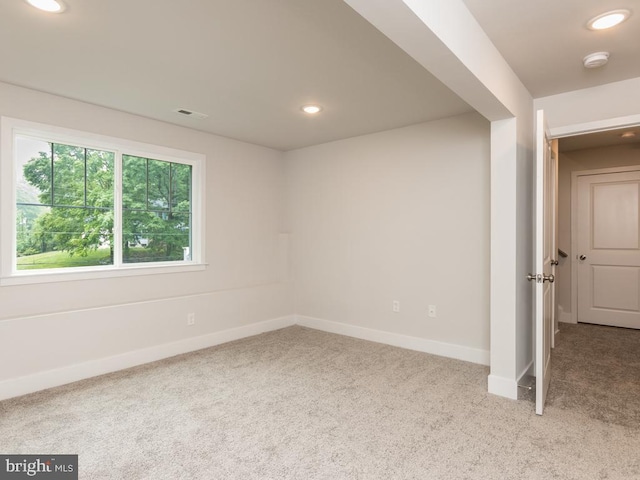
pixel 191 113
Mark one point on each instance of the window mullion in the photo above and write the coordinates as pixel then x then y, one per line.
pixel 52 174
pixel 85 177
pixel 117 211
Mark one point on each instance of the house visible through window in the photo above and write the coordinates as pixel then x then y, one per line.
pixel 83 206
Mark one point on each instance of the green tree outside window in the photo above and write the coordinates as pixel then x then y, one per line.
pixel 65 210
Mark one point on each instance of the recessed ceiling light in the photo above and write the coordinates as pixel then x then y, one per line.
pixel 311 109
pixel 608 19
pixel 595 60
pixel 51 6
pixel 628 135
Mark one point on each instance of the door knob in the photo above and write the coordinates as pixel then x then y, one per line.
pixel 548 278
pixel 554 262
pixel 582 257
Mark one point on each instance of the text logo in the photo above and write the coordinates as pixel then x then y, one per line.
pixel 49 467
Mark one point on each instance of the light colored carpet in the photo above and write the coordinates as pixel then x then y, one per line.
pixel 596 369
pixel 303 404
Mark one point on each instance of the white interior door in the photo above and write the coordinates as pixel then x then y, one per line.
pixel 608 255
pixel 545 243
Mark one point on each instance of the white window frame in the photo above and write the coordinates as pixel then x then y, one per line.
pixel 10 275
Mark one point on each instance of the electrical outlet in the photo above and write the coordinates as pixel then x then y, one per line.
pixel 396 306
pixel 191 319
pixel 432 311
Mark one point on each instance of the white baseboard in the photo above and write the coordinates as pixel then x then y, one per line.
pixel 565 317
pixel 15 387
pixel 449 350
pixel 504 387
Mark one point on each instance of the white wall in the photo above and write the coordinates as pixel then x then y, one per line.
pixel 445 38
pixel 64 325
pixel 613 100
pixel 524 225
pixel 398 215
pixel 573 161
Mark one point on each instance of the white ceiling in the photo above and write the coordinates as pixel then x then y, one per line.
pixel 248 64
pixel 251 64
pixel 545 41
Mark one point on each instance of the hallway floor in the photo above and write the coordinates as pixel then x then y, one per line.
pixel 595 370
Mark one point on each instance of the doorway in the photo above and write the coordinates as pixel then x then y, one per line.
pixel 589 370
pixel 598 162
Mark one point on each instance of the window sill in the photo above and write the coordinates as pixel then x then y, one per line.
pixel 27 277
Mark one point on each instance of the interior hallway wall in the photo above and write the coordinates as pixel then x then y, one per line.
pixel 398 215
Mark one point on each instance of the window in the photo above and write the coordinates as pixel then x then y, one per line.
pixel 84 205
pixel 156 210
